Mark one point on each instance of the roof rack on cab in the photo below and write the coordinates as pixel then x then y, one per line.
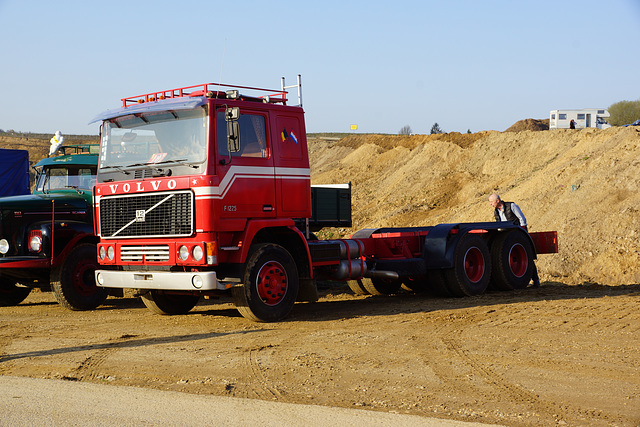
pixel 219 90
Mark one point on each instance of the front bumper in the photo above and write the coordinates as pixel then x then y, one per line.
pixel 160 280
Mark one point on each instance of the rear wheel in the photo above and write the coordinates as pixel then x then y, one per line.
pixel 270 284
pixel 357 286
pixel 512 260
pixel 161 302
pixel 415 285
pixel 471 270
pixel 11 293
pixel 378 286
pixel 437 283
pixel 74 284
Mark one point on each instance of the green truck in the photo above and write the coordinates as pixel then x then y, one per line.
pixel 47 239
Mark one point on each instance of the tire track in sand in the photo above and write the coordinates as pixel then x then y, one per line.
pixel 258 385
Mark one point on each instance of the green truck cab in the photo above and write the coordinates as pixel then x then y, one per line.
pixel 47 239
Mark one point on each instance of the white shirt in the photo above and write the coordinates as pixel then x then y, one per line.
pixel 516 211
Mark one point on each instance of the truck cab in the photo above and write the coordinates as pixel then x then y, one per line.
pixel 188 180
pixel 46 238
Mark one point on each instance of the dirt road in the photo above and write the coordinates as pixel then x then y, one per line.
pixel 559 354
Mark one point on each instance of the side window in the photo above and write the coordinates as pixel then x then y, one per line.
pixel 289 132
pixel 562 116
pixel 87 178
pixel 253 136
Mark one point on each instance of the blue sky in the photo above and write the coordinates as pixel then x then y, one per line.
pixel 478 65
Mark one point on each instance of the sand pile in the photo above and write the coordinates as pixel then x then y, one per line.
pixel 582 183
pixel 529 124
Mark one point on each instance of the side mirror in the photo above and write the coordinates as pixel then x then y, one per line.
pixel 233 137
pixel 231 116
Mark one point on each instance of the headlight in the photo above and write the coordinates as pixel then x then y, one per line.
pixel 102 252
pixel 183 253
pixel 4 246
pixel 197 253
pixel 111 253
pixel 35 243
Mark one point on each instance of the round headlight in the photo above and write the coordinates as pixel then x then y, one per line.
pixel 183 253
pixel 100 279
pixel 197 253
pixel 35 243
pixel 111 253
pixel 102 252
pixel 4 246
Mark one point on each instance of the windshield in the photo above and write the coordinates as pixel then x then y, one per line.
pixel 157 139
pixel 65 178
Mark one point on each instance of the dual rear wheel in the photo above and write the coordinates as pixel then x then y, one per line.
pixel 507 265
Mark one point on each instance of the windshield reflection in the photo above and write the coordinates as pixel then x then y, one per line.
pixel 165 138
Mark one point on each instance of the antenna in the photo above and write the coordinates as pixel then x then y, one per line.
pixel 298 85
pixel 224 52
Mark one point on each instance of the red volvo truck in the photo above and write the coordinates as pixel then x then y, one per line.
pixel 206 189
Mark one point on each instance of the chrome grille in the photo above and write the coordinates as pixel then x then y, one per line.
pixel 144 253
pixel 147 215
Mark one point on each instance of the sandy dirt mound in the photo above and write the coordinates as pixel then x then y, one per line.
pixel 529 124
pixel 582 183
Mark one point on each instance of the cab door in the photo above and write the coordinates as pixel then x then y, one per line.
pixel 246 174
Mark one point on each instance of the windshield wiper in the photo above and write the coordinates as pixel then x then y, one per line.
pixel 117 167
pixel 183 162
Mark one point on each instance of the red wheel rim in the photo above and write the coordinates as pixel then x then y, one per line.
pixel 474 264
pixel 272 283
pixel 518 261
pixel 84 281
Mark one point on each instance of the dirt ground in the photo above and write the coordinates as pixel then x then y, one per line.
pixel 558 354
pixel 567 353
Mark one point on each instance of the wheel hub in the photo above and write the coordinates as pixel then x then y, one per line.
pixel 474 265
pixel 272 283
pixel 83 278
pixel 518 261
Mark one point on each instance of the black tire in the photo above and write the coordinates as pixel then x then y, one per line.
pixel 378 286
pixel 512 261
pixel 270 284
pixel 415 285
pixel 357 287
pixel 161 302
pixel 74 284
pixel 11 293
pixel 471 270
pixel 437 283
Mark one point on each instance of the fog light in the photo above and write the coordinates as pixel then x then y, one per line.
pixel 100 279
pixel 183 253
pixel 4 246
pixel 197 282
pixel 197 253
pixel 111 253
pixel 102 252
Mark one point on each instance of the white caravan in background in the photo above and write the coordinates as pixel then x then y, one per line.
pixel 585 118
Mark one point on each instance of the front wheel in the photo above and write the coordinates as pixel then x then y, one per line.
pixel 161 302
pixel 270 284
pixel 73 283
pixel 11 293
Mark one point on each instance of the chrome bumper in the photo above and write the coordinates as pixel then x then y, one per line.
pixel 160 280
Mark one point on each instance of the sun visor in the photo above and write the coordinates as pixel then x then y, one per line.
pixel 183 103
